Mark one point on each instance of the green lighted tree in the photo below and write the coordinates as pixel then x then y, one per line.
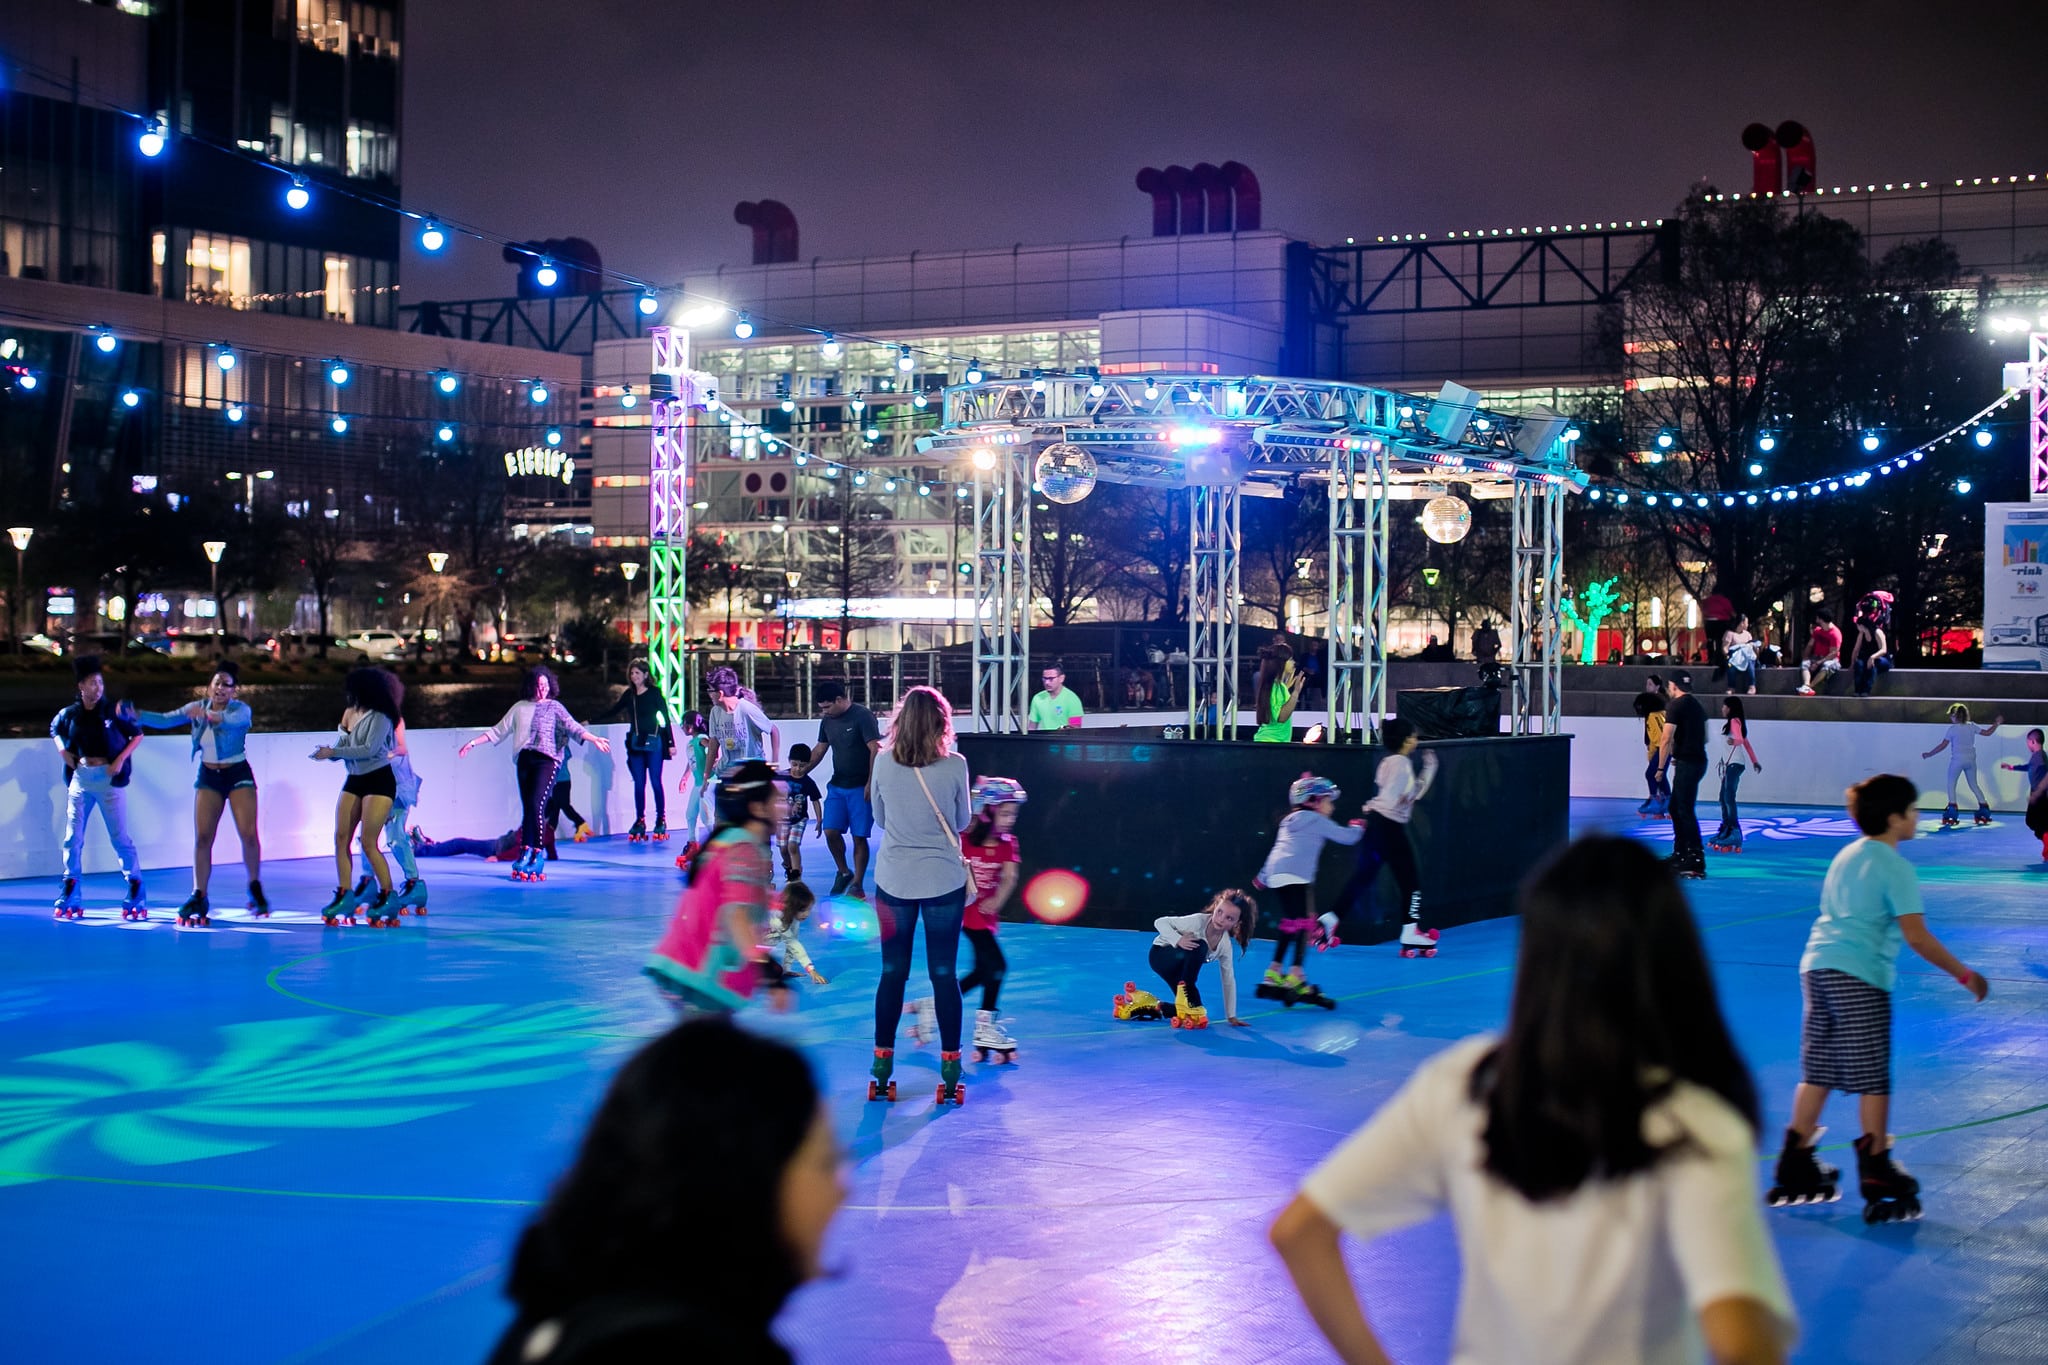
pixel 1600 604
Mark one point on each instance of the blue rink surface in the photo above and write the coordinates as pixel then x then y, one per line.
pixel 278 1142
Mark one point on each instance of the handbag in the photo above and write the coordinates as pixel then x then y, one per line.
pixel 973 890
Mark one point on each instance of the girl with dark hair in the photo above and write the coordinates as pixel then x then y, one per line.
pixel 1649 709
pixel 541 726
pixel 706 1128
pixel 1397 787
pixel 713 954
pixel 1735 734
pixel 1275 694
pixel 1183 943
pixel 649 743
pixel 369 729
pixel 1598 1159
pixel 992 859
pixel 696 784
pixel 397 837
pixel 920 793
pixel 225 781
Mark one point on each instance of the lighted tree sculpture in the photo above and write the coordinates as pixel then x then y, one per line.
pixel 1600 604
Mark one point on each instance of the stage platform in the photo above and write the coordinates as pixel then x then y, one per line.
pixel 276 1142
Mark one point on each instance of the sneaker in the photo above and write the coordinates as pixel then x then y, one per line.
pixel 418 836
pixel 1805 691
pixel 840 883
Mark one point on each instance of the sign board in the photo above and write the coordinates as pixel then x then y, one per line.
pixel 2016 586
pixel 540 462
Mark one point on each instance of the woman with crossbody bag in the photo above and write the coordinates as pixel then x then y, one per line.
pixel 920 794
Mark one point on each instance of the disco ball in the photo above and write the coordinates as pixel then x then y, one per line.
pixel 1064 473
pixel 1445 520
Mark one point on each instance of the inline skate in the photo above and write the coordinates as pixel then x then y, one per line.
pixel 991 1040
pixel 638 833
pixel 1186 1015
pixel 1890 1195
pixel 69 905
pixel 660 831
pixel 1983 815
pixel 194 911
pixel 1949 818
pixel 258 904
pixel 1800 1178
pixel 950 1090
pixel 412 896
pixel 135 905
pixel 881 1087
pixel 1417 941
pixel 1135 1004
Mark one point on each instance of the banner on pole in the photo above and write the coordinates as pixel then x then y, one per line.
pixel 2016 586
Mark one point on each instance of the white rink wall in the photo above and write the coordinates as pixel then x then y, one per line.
pixel 1804 764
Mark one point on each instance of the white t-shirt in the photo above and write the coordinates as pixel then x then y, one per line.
pixel 1613 1272
pixel 1962 742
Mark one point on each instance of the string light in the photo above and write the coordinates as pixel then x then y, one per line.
pixel 106 342
pixel 447 382
pixel 225 359
pixel 904 362
pixel 546 275
pixel 337 374
pixel 650 303
pixel 974 370
pixel 297 196
pixel 153 140
pixel 444 434
pixel 829 348
pixel 554 437
pixel 538 393
pixel 234 412
pixel 339 425
pixel 743 327
pixel 130 398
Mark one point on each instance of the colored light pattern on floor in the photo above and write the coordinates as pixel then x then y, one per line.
pixel 268 1141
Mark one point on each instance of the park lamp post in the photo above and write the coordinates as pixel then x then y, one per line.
pixel 791 577
pixel 437 560
pixel 20 536
pixel 214 549
pixel 631 569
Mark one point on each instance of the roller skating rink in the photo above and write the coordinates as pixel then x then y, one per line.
pixel 274 1141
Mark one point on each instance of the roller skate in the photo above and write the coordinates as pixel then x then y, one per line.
pixel 1983 815
pixel 1325 935
pixel 583 834
pixel 529 867
pixel 383 908
pixel 340 910
pixel 194 911
pixel 1308 993
pixel 687 856
pixel 1727 841
pixel 1801 1179
pixel 258 904
pixel 412 896
pixel 1134 1003
pixel 135 905
pixel 991 1040
pixel 660 832
pixel 924 1021
pixel 69 905
pixel 1889 1194
pixel 950 1090
pixel 1949 818
pixel 1660 809
pixel 1277 985
pixel 881 1087
pixel 637 834
pixel 1645 807
pixel 1186 1015
pixel 1417 941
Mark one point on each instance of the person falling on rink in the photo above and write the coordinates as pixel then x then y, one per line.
pixel 1185 942
pixel 1397 787
pixel 786 953
pixel 2036 769
pixel 1961 743
pixel 1290 874
pixel 1869 904
pixel 715 953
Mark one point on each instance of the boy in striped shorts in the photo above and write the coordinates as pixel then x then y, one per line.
pixel 1869 904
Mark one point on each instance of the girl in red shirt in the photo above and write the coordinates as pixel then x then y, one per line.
pixel 991 852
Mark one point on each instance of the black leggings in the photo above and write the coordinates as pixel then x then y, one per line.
pixel 989 966
pixel 1180 967
pixel 1385 845
pixel 1295 904
pixel 536 789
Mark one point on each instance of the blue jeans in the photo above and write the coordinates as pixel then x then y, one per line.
pixel 1731 818
pixel 397 840
pixel 94 788
pixel 644 765
pixel 942 916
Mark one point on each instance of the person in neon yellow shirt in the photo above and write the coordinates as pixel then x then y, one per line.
pixel 1277 693
pixel 1055 708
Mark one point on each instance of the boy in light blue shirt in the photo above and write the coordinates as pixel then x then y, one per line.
pixel 1869 905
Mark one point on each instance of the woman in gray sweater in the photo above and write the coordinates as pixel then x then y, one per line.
pixel 368 730
pixel 919 791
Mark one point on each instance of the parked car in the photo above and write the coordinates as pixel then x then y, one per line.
pixel 294 645
pixel 376 646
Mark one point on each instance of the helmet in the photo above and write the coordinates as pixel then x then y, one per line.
pixel 997 791
pixel 1308 787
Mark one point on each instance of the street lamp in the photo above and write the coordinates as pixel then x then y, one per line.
pixel 20 536
pixel 631 569
pixel 214 549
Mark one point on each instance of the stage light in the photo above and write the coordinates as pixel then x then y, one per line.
pixel 153 140
pixel 829 348
pixel 1572 434
pixel 130 398
pixel 904 360
pixel 1982 437
pixel 546 275
pixel 984 458
pixel 27 379
pixel 554 436
pixel 234 412
pixel 1665 440
pixel 225 358
pixel 297 196
pixel 340 426
pixel 106 342
pixel 743 327
pixel 1962 485
pixel 974 371
pixel 1766 442
pixel 538 393
pixel 650 303
pixel 698 315
pixel 447 382
pixel 432 238
pixel 337 374
pixel 1871 440
pixel 445 434
pixel 1194 436
pixel 1755 469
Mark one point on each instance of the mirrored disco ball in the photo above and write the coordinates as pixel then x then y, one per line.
pixel 1445 520
pixel 1064 473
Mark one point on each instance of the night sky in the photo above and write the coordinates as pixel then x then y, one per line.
pixel 899 124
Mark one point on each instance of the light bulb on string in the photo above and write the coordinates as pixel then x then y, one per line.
pixel 1982 437
pixel 788 403
pixel 130 398
pixel 234 412
pixel 629 399
pixel 858 404
pixel 538 393
pixel 1766 442
pixel 974 371
pixel 1755 469
pixel 340 426
pixel 829 347
pixel 1871 441
pixel 904 361
pixel 1666 440
pixel 546 275
pixel 152 140
pixel 297 196
pixel 225 359
pixel 1151 392
pixel 650 303
pixel 447 382
pixel 337 374
pixel 445 434
pixel 920 402
pixel 1962 485
pixel 27 379
pixel 554 436
pixel 432 237
pixel 106 342
pixel 743 327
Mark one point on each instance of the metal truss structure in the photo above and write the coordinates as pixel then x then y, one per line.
pixel 1214 437
pixel 1510 270
pixel 565 322
pixel 2037 416
pixel 669 494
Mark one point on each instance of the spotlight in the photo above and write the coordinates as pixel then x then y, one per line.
pixel 984 458
pixel 1665 440
pixel 234 412
pixel 1572 433
pixel 446 382
pixel 974 371
pixel 546 275
pixel 650 303
pixel 1871 440
pixel 340 426
pixel 538 393
pixel 225 358
pixel 1766 442
pixel 829 348
pixel 1982 437
pixel 432 238
pixel 129 398
pixel 554 436
pixel 337 374
pixel 701 315
pixel 904 360
pixel 152 141
pixel 106 342
pixel 445 434
pixel 743 328
pixel 297 196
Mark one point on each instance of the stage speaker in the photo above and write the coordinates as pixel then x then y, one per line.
pixel 1450 712
pixel 1452 412
pixel 1539 432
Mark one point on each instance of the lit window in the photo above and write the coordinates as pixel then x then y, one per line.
pixel 341 301
pixel 217 271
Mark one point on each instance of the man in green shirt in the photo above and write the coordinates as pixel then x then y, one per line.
pixel 1055 708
